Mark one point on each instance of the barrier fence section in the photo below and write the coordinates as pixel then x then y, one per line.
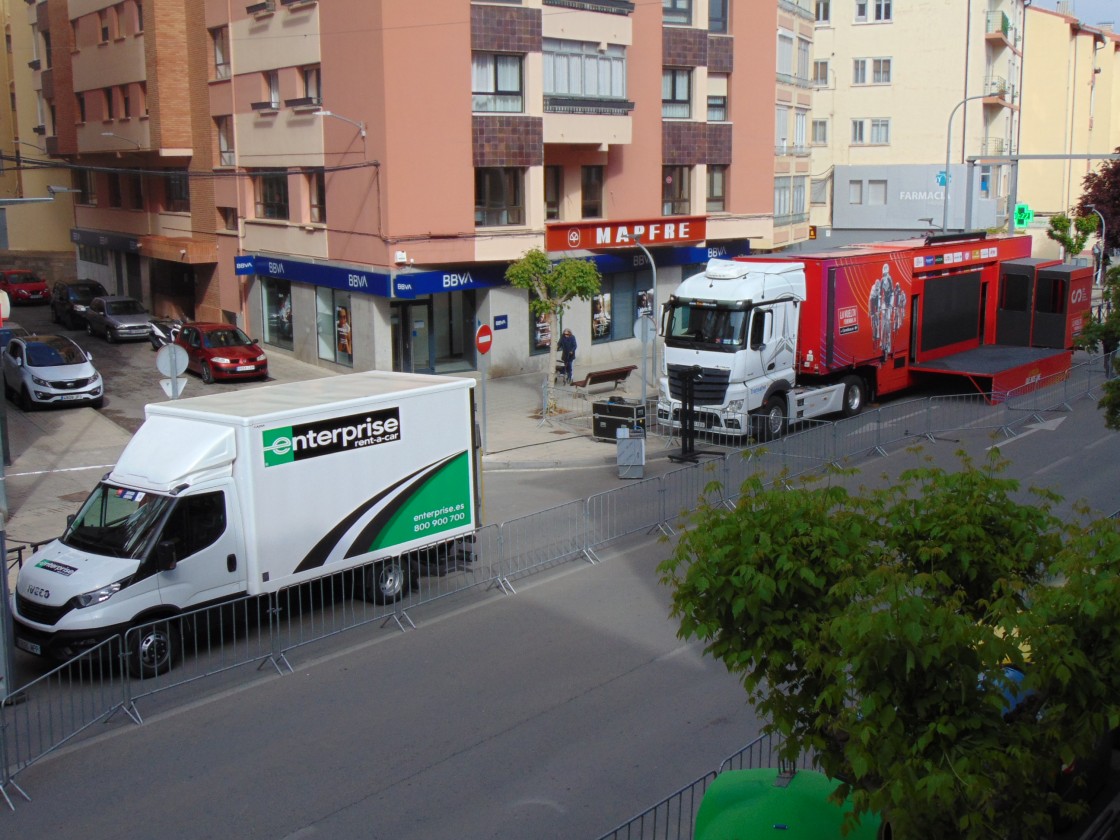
pixel 674 817
pixel 263 629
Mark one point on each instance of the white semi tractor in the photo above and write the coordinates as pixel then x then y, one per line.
pixel 249 492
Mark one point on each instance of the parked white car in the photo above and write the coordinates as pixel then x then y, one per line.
pixel 50 370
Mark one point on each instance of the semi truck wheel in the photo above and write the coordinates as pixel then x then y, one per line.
pixel 855 394
pixel 155 648
pixel 386 581
pixel 770 422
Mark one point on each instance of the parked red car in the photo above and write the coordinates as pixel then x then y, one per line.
pixel 24 286
pixel 221 351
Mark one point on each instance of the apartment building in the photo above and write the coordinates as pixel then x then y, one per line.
pixel 905 94
pixel 292 165
pixel 1071 113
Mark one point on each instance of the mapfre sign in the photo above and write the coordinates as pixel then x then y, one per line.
pixel 589 236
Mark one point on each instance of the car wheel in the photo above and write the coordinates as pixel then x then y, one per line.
pixel 156 648
pixel 110 336
pixel 770 422
pixel 207 373
pixel 89 328
pixel 855 393
pixel 385 582
pixel 25 401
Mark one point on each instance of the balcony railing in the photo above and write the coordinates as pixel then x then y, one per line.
pixel 996 86
pixel 796 81
pixel 592 106
pixel 998 22
pixel 995 146
pixel 610 7
pixel 801 8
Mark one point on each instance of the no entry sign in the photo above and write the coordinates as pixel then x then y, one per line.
pixel 483 339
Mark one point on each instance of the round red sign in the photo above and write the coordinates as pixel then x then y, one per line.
pixel 483 339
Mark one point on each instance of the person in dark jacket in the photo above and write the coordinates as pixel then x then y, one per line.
pixel 567 348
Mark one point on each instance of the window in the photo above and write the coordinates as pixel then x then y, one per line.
pixel 781 129
pixel 496 82
pixel 126 103
pixel 785 53
pixel 195 522
pixel 220 39
pixel 877 192
pixel 271 192
pixel 83 182
pixel 334 322
pixel 859 71
pixel 317 196
pixel 580 68
pixel 717 97
pixel 855 192
pixel 226 156
pixel 676 94
pixel 803 61
pixel 858 132
pixel 276 304
pixel 103 25
pixel 882 9
pixel 591 192
pixel 553 189
pixel 861 10
pixel 272 83
pixel 228 216
pixel 114 181
pixel 497 196
pixel 881 71
pixel 616 307
pixel 80 101
pixel 820 73
pixel 133 191
pixel 47 53
pixel 717 16
pixel 717 188
pixel 881 132
pixel 820 132
pixel 312 84
pixel 675 194
pixel 110 103
pixel 799 208
pixel 781 198
pixel 178 191
pixel 818 190
pixel 824 11
pixel 800 130
pixel 676 12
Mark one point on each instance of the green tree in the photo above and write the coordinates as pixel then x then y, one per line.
pixel 871 629
pixel 552 287
pixel 1072 234
pixel 1102 191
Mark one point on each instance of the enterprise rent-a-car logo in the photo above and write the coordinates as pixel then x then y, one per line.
pixel 310 440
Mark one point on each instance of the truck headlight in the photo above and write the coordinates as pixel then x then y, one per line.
pixel 735 405
pixel 88 599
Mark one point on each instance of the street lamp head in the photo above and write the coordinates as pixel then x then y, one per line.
pixel 359 124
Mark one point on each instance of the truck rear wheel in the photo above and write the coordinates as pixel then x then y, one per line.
pixel 386 581
pixel 770 422
pixel 155 648
pixel 855 394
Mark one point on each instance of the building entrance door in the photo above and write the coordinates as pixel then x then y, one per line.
pixel 412 336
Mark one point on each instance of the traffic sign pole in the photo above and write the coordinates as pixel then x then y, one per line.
pixel 483 340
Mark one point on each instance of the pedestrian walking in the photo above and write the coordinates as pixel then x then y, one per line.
pixel 567 354
pixel 1109 345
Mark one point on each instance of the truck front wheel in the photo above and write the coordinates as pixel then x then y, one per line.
pixel 855 394
pixel 154 649
pixel 386 581
pixel 770 422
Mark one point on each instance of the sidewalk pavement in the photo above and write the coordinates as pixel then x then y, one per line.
pixel 59 455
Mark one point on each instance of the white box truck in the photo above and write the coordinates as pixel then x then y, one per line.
pixel 249 492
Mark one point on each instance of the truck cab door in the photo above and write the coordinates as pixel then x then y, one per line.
pixel 201 550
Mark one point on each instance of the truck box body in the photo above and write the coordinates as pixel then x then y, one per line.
pixel 257 490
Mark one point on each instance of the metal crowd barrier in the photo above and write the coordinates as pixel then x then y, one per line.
pixel 264 630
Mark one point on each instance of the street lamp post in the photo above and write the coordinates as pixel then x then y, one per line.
pixel 122 137
pixel 948 154
pixel 1104 243
pixel 359 124
pixel 652 314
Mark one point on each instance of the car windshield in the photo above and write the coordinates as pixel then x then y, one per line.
pixel 124 307
pixel 52 351
pixel 117 521
pixel 232 337
pixel 23 280
pixel 85 293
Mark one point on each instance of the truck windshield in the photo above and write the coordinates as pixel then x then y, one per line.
pixel 716 327
pixel 117 521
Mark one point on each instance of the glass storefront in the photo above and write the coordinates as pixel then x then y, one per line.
pixel 434 334
pixel 277 315
pixel 334 324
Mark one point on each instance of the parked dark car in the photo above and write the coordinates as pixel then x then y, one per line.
pixel 24 286
pixel 117 318
pixel 71 298
pixel 44 370
pixel 221 351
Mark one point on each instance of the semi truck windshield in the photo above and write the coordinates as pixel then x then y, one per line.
pixel 117 521
pixel 717 327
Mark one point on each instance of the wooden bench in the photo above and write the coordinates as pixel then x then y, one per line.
pixel 616 376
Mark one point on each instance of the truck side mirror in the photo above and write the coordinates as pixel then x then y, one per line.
pixel 166 556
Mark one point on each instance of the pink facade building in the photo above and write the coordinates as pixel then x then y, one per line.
pixel 349 179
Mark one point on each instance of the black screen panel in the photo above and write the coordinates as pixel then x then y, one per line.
pixel 951 311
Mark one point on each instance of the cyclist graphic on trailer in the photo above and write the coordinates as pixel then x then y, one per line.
pixel 887 307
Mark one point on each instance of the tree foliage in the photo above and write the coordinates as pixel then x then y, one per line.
pixel 870 628
pixel 1102 190
pixel 552 287
pixel 1072 234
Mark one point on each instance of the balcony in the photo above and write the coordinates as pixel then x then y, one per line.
pixel 801 8
pixel 265 108
pixel 610 7
pixel 267 7
pixel 995 146
pixel 796 81
pixel 587 105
